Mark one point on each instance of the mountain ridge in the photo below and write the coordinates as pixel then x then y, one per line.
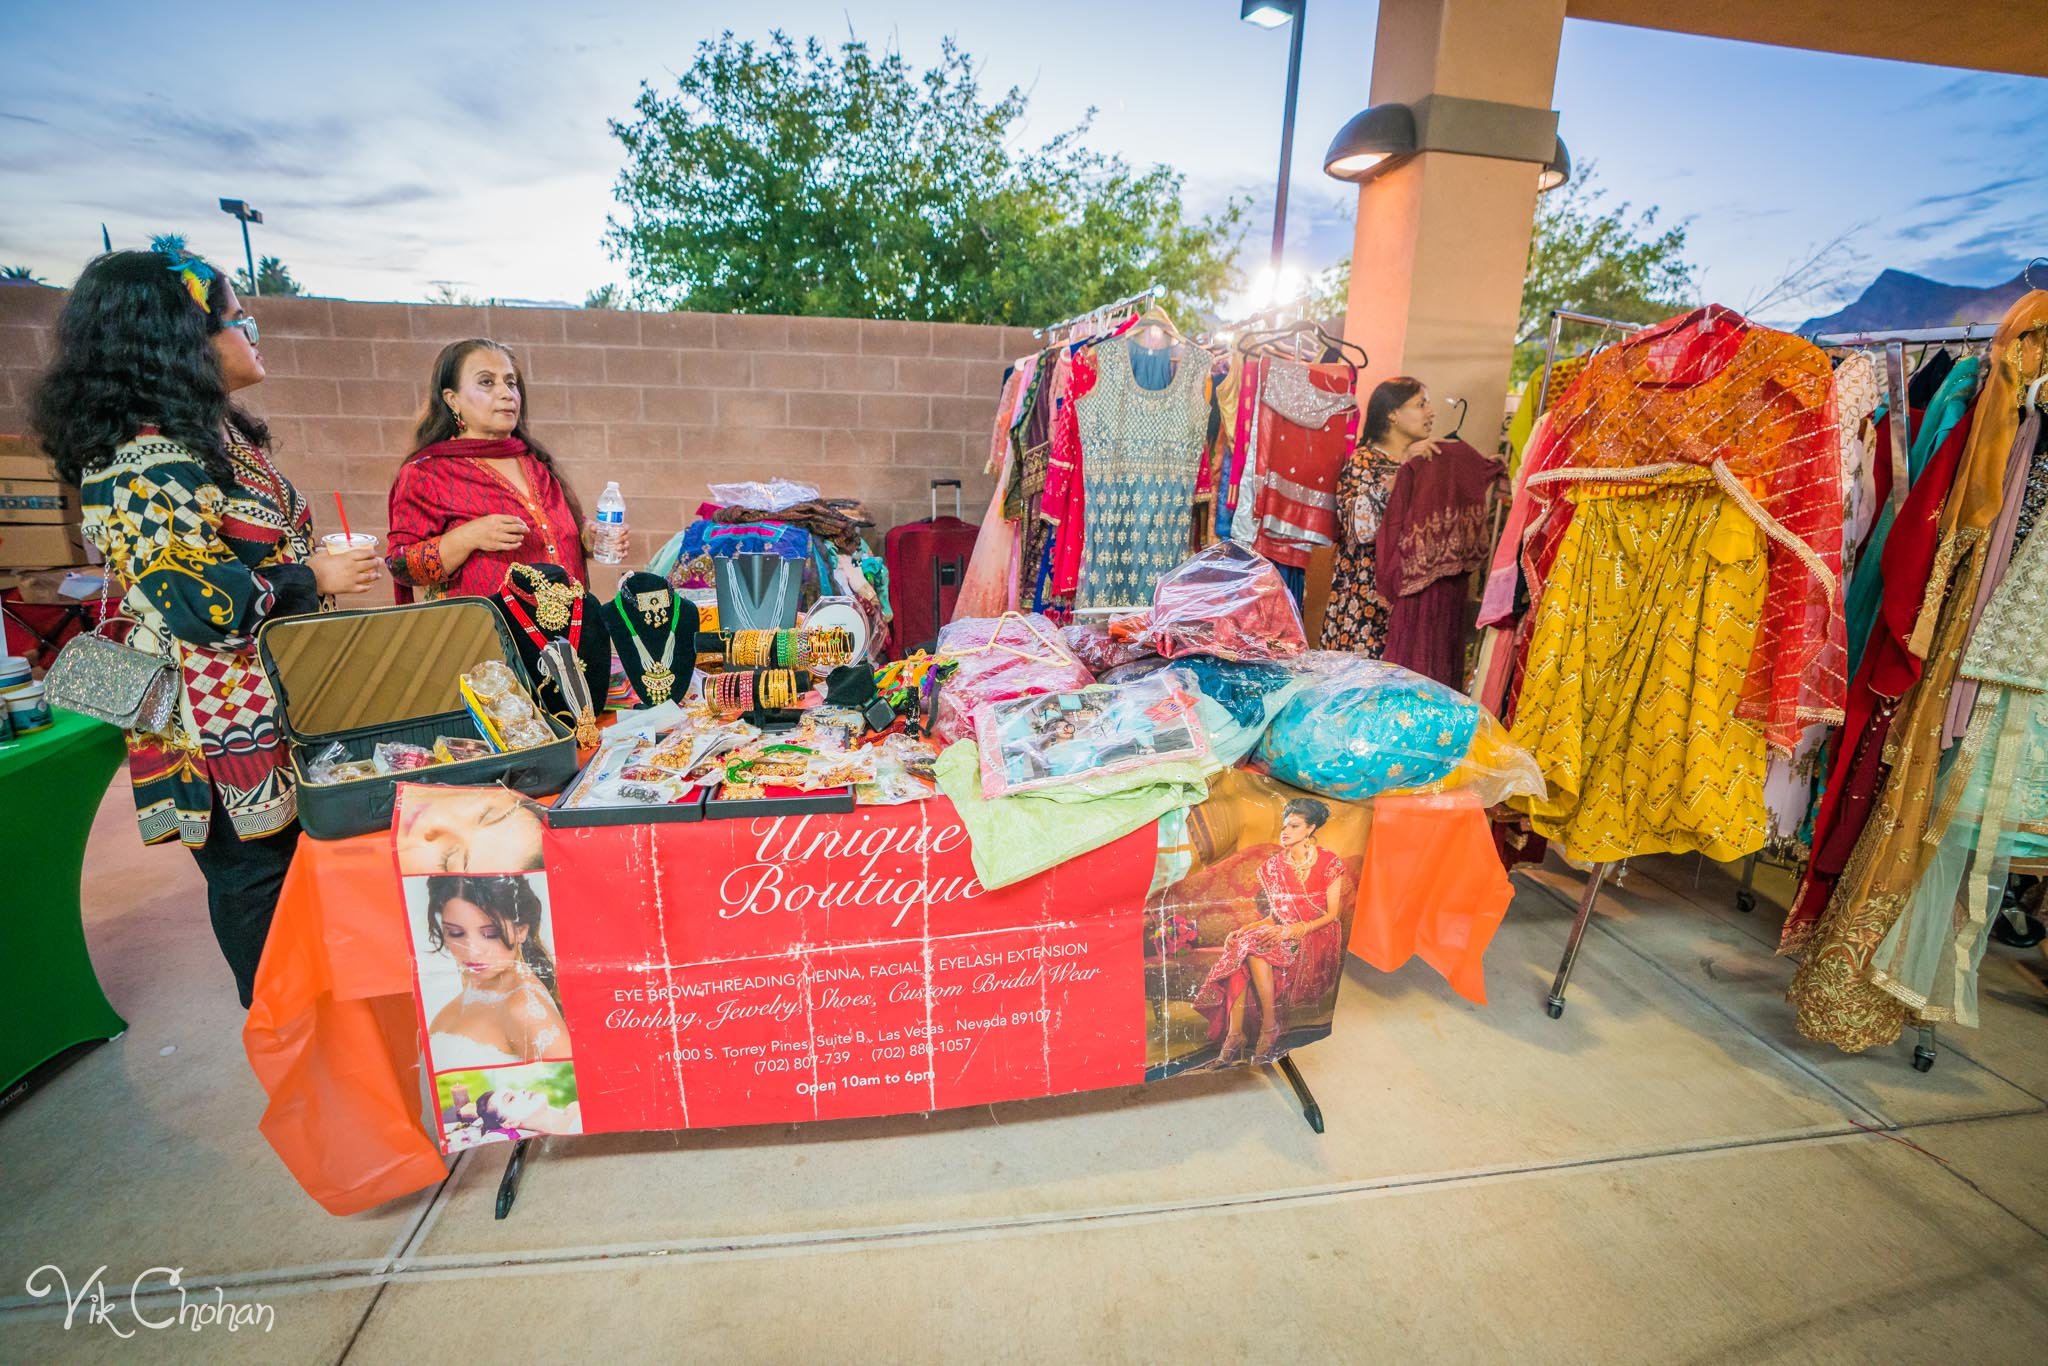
pixel 1901 299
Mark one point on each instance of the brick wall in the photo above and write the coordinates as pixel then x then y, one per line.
pixel 665 403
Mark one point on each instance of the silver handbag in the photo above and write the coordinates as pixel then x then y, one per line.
pixel 100 677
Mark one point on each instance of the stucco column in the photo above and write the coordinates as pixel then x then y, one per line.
pixel 1443 237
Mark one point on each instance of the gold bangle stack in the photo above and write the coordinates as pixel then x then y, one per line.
pixel 752 649
pixel 778 690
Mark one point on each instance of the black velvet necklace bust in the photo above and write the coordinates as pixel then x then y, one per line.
pixel 664 623
pixel 539 614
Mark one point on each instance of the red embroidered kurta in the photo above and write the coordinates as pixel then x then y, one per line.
pixel 1431 537
pixel 1857 775
pixel 1296 505
pixel 442 487
pixel 1064 503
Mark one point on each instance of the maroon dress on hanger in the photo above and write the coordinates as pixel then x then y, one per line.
pixel 1431 538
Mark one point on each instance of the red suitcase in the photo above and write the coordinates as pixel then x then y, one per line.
pixel 927 561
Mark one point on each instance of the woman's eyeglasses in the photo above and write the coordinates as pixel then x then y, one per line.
pixel 249 329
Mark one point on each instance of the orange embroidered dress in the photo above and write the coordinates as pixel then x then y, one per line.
pixel 1684 553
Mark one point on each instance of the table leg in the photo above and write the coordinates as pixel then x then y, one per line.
pixel 508 1184
pixel 1310 1111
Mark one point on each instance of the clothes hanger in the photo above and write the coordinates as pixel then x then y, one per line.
pixel 1153 325
pixel 1463 408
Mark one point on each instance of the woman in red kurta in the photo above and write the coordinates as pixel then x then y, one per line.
pixel 1291 955
pixel 478 494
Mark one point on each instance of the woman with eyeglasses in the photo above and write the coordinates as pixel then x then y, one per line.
pixel 204 540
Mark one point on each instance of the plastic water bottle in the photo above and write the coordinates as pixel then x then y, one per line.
pixel 609 544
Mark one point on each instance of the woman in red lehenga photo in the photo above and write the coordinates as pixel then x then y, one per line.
pixel 1290 956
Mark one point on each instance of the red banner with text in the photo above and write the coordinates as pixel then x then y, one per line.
pixel 777 969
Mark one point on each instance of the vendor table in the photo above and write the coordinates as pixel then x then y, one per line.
pixel 334 1033
pixel 51 783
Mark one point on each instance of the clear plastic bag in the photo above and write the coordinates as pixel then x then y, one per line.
pixel 1227 602
pixel 320 768
pixel 492 679
pixel 1063 739
pixel 527 733
pixel 455 749
pixel 1105 647
pixel 772 496
pixel 996 659
pixel 396 757
pixel 903 772
pixel 1361 727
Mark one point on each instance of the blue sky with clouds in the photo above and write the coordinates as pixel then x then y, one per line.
pixel 393 146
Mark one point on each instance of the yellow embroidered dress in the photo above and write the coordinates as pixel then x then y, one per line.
pixel 1685 561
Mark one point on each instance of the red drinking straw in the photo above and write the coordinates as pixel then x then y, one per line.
pixel 343 512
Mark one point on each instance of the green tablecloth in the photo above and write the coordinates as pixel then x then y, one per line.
pixel 51 783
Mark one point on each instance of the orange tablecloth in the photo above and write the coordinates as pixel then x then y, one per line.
pixel 333 1033
pixel 1433 887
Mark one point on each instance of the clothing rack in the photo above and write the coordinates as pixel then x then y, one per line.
pixel 1558 318
pixel 1143 296
pixel 1893 342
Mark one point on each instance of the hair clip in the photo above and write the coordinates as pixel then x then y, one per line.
pixel 196 274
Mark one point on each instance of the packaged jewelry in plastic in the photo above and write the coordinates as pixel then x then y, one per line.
pixel 332 765
pixel 453 749
pixel 492 679
pixel 1062 739
pixel 396 757
pixel 527 733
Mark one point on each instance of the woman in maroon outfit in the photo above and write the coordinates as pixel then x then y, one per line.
pixel 478 494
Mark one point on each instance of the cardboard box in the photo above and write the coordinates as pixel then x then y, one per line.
pixel 39 501
pixel 39 547
pixel 44 587
pixel 22 458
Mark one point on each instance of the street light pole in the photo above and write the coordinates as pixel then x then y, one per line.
pixel 239 208
pixel 1300 8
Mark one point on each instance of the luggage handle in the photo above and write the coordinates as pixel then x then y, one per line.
pixel 938 484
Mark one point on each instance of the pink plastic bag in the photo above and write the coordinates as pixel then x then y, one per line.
pixel 1000 658
pixel 1228 602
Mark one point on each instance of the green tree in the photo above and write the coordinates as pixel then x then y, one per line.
pixel 274 277
pixel 787 178
pixel 606 296
pixel 19 275
pixel 1588 259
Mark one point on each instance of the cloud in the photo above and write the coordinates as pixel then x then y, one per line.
pixel 23 118
pixel 1985 267
pixel 1993 187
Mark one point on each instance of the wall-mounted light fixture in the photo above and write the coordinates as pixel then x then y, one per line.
pixel 1383 135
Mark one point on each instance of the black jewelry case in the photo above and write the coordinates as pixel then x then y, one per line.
pixel 394 674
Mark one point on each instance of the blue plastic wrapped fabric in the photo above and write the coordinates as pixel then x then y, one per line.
pixel 1370 727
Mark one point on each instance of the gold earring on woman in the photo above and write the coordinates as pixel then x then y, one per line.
pixel 460 425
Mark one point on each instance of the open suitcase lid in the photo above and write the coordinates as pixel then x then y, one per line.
pixel 340 671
